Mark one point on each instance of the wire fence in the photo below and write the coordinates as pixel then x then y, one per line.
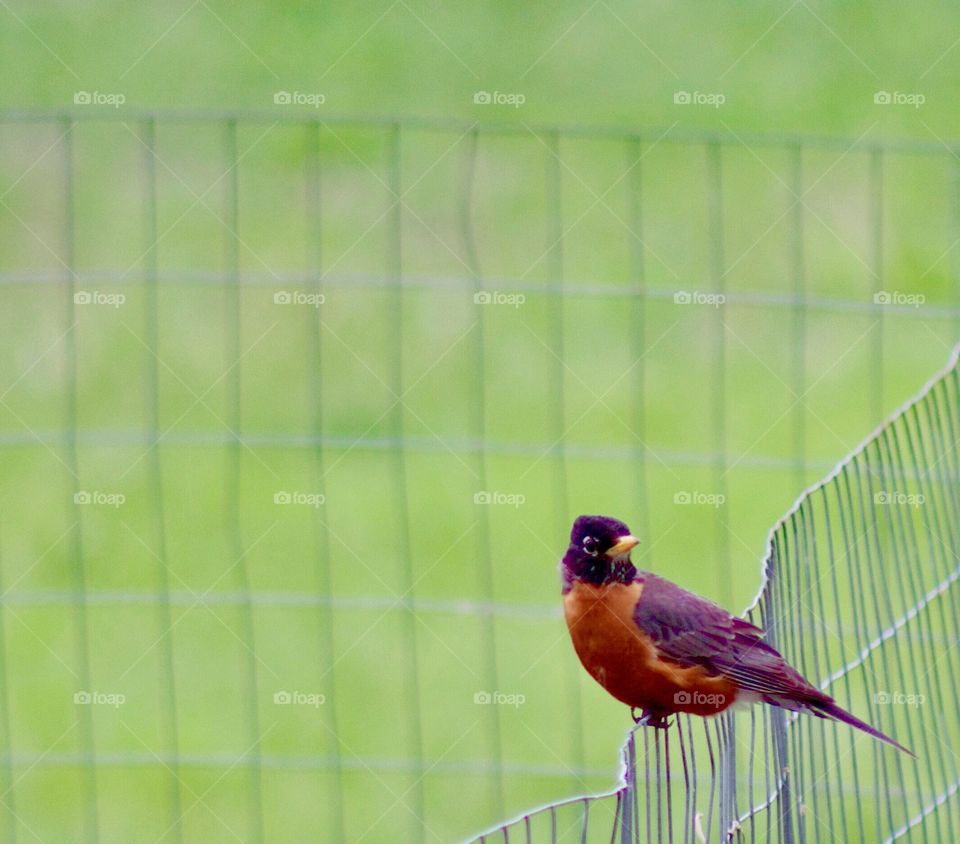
pixel 407 319
pixel 872 550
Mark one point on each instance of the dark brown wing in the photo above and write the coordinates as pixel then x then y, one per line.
pixel 691 630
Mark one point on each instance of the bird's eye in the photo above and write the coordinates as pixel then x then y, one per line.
pixel 590 546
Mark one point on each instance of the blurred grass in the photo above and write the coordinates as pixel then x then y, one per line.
pixel 806 68
pixel 575 65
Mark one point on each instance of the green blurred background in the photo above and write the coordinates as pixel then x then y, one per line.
pixel 451 442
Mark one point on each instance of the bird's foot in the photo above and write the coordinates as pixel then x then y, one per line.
pixel 649 719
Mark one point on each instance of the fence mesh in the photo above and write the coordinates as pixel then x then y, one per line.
pixel 859 591
pixel 297 413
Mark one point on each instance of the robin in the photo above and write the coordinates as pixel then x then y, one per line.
pixel 661 649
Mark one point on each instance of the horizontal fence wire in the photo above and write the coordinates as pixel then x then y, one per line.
pixel 673 134
pixel 291 600
pixel 584 289
pixel 862 595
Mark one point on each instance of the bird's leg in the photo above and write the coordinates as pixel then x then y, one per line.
pixel 649 718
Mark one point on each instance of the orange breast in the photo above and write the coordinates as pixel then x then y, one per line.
pixel 622 659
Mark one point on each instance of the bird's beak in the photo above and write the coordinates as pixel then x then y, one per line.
pixel 623 546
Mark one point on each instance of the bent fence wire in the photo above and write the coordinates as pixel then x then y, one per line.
pixel 859 591
pixel 208 224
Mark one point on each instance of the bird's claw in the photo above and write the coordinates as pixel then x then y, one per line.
pixel 649 719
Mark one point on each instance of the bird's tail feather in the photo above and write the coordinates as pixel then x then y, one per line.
pixel 830 709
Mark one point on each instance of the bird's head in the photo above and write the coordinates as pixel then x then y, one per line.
pixel 599 552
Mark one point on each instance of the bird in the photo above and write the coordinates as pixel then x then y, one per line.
pixel 662 650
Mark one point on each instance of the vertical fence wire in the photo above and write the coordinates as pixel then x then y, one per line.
pixel 953 234
pixel 877 271
pixel 483 557
pixel 911 448
pixel 638 325
pixel 398 454
pixel 908 558
pixel 827 741
pixel 78 567
pixel 555 314
pixel 8 798
pixel 779 629
pixel 323 565
pixel 799 314
pixel 555 269
pixel 878 589
pixel 169 726
pixel 858 616
pixel 799 632
pixel 896 451
pixel 844 694
pixel 234 478
pixel 687 816
pixel 718 404
pixel 877 667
